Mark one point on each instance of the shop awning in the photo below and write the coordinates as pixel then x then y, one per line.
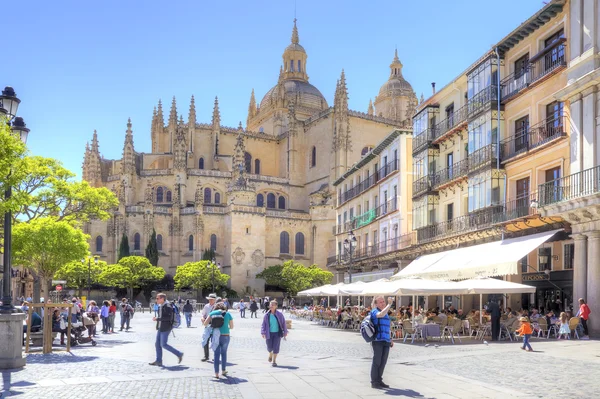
pixel 411 286
pixel 485 285
pixel 498 258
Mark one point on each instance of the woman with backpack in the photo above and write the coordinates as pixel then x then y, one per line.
pixel 221 322
pixel 272 330
pixel 253 308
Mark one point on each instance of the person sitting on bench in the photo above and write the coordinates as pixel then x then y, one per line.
pixel 36 325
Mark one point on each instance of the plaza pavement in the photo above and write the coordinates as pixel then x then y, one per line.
pixel 315 362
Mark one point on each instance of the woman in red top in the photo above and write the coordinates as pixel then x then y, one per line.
pixel 584 313
pixel 112 310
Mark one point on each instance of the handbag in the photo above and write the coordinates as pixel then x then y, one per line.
pixel 63 324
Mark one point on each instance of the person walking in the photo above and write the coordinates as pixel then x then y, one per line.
pixel 266 304
pixel 525 331
pixel 188 309
pixel 272 330
pixel 209 307
pixel 126 313
pixel 494 311
pixel 164 325
pixel 112 312
pixel 383 340
pixel 220 347
pixel 104 312
pixel 253 308
pixel 242 309
pixel 584 314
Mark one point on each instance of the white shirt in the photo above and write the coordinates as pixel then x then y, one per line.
pixel 206 310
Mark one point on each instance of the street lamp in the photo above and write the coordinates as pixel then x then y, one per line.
pixel 349 245
pixel 212 265
pixel 9 103
pixel 89 272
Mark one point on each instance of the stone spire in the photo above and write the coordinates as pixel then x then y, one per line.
pixel 341 133
pixel 294 58
pixel 128 161
pixel 370 110
pixel 160 119
pixel 173 114
pixel 251 108
pixel 216 116
pixel 280 78
pixel 396 66
pixel 239 181
pixel 216 130
pixel 295 37
pixel 95 145
pixel 192 114
pixel 341 94
pixel 92 163
pixel 422 99
pixel 179 148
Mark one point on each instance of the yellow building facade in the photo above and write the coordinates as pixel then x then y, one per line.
pixel 258 195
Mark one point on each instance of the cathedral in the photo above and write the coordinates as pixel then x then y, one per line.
pixel 259 195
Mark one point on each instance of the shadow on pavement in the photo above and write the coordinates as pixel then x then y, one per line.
pixel 5 389
pixel 176 368
pixel 53 358
pixel 231 380
pixel 408 393
pixel 287 367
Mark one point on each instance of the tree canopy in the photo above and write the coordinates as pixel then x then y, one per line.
pixel 198 275
pixel 46 245
pixel 12 165
pixel 152 249
pixel 123 247
pixel 131 272
pixel 295 277
pixel 76 273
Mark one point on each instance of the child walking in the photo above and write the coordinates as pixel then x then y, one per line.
pixel 564 326
pixel 525 331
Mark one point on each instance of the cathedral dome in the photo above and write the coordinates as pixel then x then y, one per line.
pixel 302 93
pixel 396 84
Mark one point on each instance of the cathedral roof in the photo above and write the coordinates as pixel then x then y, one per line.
pixel 396 84
pixel 303 93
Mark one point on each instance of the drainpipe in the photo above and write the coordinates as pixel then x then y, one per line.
pixel 498 130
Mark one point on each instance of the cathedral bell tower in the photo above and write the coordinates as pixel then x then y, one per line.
pixel 294 59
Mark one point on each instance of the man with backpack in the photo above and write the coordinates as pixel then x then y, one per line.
pixel 164 325
pixel 382 341
pixel 126 314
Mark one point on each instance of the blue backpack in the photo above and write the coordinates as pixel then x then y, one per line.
pixel 176 317
pixel 368 330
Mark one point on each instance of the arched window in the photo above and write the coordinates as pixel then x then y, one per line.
pixel 313 157
pixel 159 194
pixel 260 200
pixel 159 242
pixel 169 196
pixel 271 200
pixel 213 242
pixel 217 198
pixel 99 244
pixel 291 65
pixel 248 162
pixel 207 195
pixel 299 69
pixel 257 166
pixel 299 244
pixel 136 242
pixel 282 202
pixel 191 243
pixel 284 242
pixel 365 150
pixel 201 163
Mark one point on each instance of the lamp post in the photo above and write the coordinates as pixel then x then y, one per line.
pixel 349 245
pixel 89 273
pixel 9 103
pixel 212 265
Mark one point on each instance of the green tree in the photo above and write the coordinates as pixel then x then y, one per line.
pixel 272 276
pixel 45 245
pixel 198 275
pixel 298 277
pixel 123 247
pixel 152 249
pixel 76 273
pixel 12 165
pixel 131 272
pixel 208 254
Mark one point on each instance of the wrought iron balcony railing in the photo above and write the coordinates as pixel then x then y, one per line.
pixel 577 185
pixel 457 117
pixel 422 185
pixel 535 136
pixel 379 248
pixel 423 139
pixel 364 185
pixel 480 101
pixel 368 216
pixel 485 156
pixel 453 172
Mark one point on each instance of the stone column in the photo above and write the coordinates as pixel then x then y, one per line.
pixel 11 348
pixel 593 279
pixel 580 268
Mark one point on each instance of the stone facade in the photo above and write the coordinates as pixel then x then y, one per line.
pixel 258 195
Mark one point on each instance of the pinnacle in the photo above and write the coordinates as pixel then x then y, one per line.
pixel 295 37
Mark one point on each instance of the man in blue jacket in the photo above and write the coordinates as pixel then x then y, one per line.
pixel 383 341
pixel 164 325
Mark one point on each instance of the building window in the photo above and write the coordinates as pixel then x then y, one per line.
pixel 299 69
pixel 99 244
pixel 521 133
pixel 282 202
pixel 201 163
pixel 291 65
pixel 257 166
pixel 299 244
pixel 159 194
pixel 521 66
pixel 569 256
pixel 271 200
pixel 207 195
pixel 247 230
pixel 523 263
pixel 136 242
pixel 191 243
pixel 284 242
pixel 248 162
pixel 217 198
pixel 213 242
pixel 449 212
pixel 260 200
pixel 313 157
pixel 169 196
pixel 159 242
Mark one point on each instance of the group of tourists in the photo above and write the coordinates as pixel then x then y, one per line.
pixel 216 336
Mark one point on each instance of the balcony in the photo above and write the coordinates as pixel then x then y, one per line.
pixel 422 185
pixel 481 101
pixel 364 185
pixel 547 62
pixel 577 185
pixel 451 173
pixel 520 207
pixel 423 139
pixel 368 217
pixel 483 157
pixel 456 119
pixel 535 136
pixel 379 248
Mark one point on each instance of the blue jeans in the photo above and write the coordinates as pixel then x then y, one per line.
pixel 526 342
pixel 221 353
pixel 161 343
pixel 242 312
pixel 188 318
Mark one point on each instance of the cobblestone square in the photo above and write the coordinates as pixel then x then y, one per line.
pixel 315 362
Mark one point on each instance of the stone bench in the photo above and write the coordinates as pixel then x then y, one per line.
pixel 37 338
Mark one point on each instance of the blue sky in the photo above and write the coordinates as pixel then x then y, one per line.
pixel 84 65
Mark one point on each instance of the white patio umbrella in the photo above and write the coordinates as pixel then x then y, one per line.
pixel 312 291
